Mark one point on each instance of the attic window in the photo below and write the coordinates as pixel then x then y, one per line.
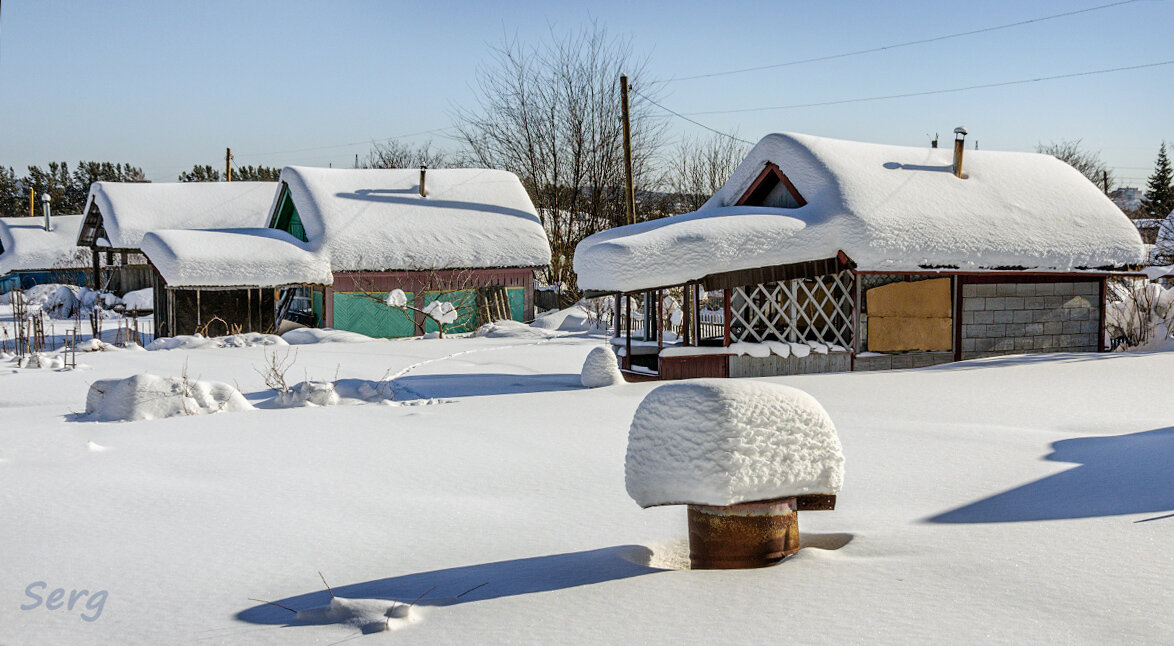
pixel 772 188
pixel 288 219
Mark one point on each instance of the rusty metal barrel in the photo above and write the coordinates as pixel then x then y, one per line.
pixel 743 535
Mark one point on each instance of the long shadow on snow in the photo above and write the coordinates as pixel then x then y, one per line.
pixel 1033 359
pixel 1122 474
pixel 479 384
pixel 501 579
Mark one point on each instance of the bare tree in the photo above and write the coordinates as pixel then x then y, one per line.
pixel 700 167
pixel 1088 162
pixel 551 115
pixel 397 154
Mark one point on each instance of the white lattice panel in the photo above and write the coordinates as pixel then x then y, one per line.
pixel 810 309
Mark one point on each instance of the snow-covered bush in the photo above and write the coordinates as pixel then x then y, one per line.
pixel 726 441
pixel 308 335
pixel 146 396
pixel 1139 315
pixel 308 393
pixel 601 368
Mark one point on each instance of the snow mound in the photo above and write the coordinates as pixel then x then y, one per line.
pixel 141 300
pixel 95 345
pixel 601 368
pixel 201 342
pixel 726 441
pixel 40 360
pixel 307 335
pixel 146 396
pixel 507 329
pixel 368 615
pixel 308 393
pixel 571 319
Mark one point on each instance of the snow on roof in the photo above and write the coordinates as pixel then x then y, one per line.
pixel 234 258
pixel 886 207
pixel 375 219
pixel 726 441
pixel 130 209
pixel 27 246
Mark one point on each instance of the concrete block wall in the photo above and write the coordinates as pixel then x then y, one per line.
pixel 899 361
pixel 1016 318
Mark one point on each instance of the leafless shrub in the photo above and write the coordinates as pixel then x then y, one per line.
pixel 277 364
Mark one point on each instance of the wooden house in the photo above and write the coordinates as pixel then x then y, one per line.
pixel 32 255
pixel 338 240
pixel 468 236
pixel 826 255
pixel 119 214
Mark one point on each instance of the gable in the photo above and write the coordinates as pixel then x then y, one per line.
pixel 772 188
pixel 286 217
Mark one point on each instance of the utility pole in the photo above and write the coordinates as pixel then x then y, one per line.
pixel 1105 180
pixel 228 164
pixel 629 193
pixel 32 202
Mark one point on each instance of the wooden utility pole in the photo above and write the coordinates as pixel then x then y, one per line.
pixel 228 164
pixel 32 203
pixel 629 193
pixel 1105 180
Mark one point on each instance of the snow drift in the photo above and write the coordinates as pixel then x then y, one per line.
pixel 147 396
pixel 726 441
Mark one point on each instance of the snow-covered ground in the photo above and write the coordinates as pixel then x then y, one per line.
pixel 1013 500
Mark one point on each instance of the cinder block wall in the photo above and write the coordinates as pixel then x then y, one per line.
pixel 1015 318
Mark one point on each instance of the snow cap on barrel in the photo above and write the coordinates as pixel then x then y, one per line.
pixel 726 441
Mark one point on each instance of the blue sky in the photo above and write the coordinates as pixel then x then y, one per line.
pixel 164 85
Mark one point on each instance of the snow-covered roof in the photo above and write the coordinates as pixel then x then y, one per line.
pixel 255 257
pixel 27 246
pixel 130 209
pixel 886 207
pixel 375 219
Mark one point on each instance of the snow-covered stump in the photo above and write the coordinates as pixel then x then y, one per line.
pixel 745 456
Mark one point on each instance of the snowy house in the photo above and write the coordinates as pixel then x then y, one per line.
pixel 31 255
pixel 467 236
pixel 119 214
pixel 823 255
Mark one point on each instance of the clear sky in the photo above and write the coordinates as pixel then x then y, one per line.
pixel 164 85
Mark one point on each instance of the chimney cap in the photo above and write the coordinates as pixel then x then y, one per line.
pixel 960 130
pixel 45 197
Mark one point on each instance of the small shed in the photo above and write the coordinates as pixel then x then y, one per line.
pixel 119 214
pixel 822 254
pixel 468 236
pixel 225 281
pixel 32 255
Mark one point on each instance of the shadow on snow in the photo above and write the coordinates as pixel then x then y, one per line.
pixel 1122 474
pixel 500 579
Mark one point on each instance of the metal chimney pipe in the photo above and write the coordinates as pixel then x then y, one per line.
pixel 45 210
pixel 423 170
pixel 959 141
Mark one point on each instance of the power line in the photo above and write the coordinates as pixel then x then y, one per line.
pixel 694 122
pixel 899 45
pixel 930 92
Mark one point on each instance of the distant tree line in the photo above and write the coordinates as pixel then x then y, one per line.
pixel 67 189
pixel 207 173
